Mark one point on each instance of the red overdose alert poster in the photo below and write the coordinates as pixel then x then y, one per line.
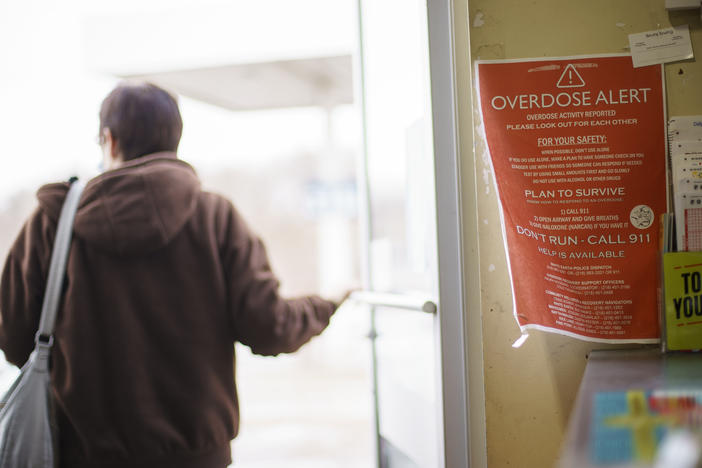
pixel 578 151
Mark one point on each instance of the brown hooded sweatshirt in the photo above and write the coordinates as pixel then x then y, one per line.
pixel 162 279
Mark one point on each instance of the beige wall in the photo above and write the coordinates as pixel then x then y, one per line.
pixel 529 392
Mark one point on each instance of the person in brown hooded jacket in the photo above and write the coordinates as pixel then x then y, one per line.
pixel 161 280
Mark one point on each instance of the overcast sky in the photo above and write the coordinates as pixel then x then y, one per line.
pixel 54 74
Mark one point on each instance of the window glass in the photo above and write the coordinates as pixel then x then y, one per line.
pixel 291 173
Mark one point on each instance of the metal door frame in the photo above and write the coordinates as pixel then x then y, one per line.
pixel 457 442
pixel 451 334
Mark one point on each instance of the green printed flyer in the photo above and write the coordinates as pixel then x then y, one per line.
pixel 682 274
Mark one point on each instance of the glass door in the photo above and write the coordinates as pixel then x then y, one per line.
pixel 401 274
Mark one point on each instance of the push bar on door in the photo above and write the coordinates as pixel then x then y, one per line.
pixel 395 301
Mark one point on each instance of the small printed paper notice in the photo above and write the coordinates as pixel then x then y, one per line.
pixel 661 46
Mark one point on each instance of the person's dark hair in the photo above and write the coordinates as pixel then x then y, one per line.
pixel 142 119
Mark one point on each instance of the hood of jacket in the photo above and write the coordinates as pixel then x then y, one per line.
pixel 134 209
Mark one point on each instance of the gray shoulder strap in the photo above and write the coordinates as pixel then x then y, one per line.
pixel 59 256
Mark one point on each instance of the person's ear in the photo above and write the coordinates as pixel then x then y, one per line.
pixel 109 142
pixel 112 145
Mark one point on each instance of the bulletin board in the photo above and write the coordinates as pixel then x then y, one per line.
pixel 529 391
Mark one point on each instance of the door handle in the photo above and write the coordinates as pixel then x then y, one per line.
pixel 395 301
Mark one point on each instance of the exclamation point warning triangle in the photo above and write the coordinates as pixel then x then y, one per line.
pixel 570 78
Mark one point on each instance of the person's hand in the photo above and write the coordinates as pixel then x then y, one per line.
pixel 340 299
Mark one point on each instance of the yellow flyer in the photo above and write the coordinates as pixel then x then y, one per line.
pixel 682 274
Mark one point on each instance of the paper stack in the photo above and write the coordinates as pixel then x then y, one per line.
pixel 685 149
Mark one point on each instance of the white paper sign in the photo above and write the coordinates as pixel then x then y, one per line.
pixel 685 128
pixel 661 46
pixel 686 174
